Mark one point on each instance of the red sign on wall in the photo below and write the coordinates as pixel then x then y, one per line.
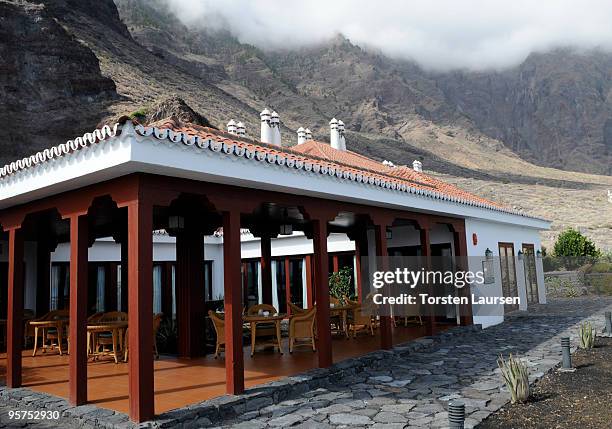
pixel 474 239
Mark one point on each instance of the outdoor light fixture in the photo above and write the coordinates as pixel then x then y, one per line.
pixel 520 255
pixel 488 254
pixel 286 229
pixel 389 233
pixel 539 254
pixel 176 222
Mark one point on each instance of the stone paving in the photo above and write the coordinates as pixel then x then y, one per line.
pixel 408 387
pixel 412 389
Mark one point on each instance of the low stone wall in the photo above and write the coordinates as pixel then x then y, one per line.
pixel 225 407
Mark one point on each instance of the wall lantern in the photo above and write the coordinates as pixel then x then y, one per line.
pixel 488 254
pixel 286 229
pixel 520 255
pixel 389 233
pixel 539 254
pixel 176 223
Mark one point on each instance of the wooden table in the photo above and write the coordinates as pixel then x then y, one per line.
pixel 342 312
pixel 116 329
pixel 58 324
pixel 255 319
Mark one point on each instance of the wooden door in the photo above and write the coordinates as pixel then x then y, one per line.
pixel 531 277
pixel 508 273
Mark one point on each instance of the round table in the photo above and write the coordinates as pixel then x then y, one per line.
pixel 255 319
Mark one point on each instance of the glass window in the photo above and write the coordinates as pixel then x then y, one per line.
pixel 157 289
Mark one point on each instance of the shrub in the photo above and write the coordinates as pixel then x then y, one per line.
pixel 587 335
pixel 516 377
pixel 575 248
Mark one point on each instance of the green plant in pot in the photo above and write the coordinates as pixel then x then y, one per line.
pixel 340 284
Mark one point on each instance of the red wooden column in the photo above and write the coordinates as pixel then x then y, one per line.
pixel 140 310
pixel 234 362
pixel 14 324
pixel 79 245
pixel 465 315
pixel 386 334
pixel 266 268
pixel 321 280
pixel 190 292
pixel 426 255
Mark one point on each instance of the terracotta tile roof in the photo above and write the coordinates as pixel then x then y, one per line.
pixel 325 151
pixel 313 157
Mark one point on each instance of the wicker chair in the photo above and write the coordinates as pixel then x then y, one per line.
pixel 50 334
pixel 219 325
pixel 296 309
pixel 301 327
pixel 157 318
pixel 362 320
pixel 103 339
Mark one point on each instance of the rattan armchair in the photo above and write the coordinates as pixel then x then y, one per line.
pixel 362 320
pixel 157 318
pixel 103 339
pixel 219 325
pixel 302 327
pixel 296 309
pixel 50 334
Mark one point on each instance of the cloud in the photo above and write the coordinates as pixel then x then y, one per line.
pixel 438 34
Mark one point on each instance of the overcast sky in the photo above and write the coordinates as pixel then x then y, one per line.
pixel 438 34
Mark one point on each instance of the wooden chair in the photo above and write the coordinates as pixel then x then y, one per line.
pixel 296 309
pixel 157 318
pixel 301 327
pixel 362 320
pixel 50 334
pixel 105 338
pixel 219 325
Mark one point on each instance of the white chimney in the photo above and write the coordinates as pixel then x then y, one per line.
pixel 308 134
pixel 275 123
pixel 417 166
pixel 334 135
pixel 341 132
pixel 266 129
pixel 240 129
pixel 231 127
pixel 301 133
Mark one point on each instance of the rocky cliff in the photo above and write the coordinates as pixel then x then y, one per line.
pixel 50 83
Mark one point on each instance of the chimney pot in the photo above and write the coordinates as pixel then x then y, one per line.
pixel 417 166
pixel 308 134
pixel 266 127
pixel 301 135
pixel 275 126
pixel 240 129
pixel 231 127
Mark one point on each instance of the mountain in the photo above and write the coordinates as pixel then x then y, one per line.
pixel 75 63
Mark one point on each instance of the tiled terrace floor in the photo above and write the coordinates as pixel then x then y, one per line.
pixel 180 382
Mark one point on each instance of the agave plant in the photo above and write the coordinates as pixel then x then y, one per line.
pixel 516 377
pixel 587 335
